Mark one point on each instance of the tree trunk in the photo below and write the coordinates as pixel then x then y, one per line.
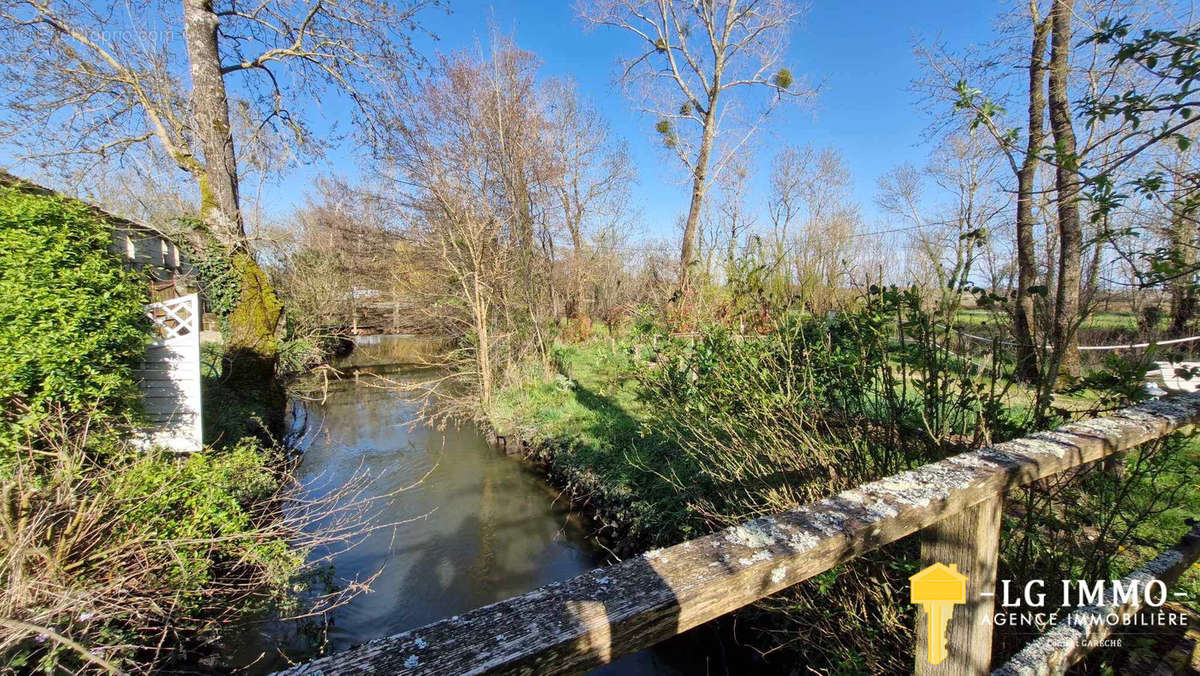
pixel 219 205
pixel 1182 236
pixel 1024 320
pixel 254 322
pixel 252 343
pixel 1067 186
pixel 483 356
pixel 574 221
pixel 699 186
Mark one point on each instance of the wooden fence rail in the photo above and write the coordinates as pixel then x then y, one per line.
pixel 589 620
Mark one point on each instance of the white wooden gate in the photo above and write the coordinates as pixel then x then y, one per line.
pixel 170 375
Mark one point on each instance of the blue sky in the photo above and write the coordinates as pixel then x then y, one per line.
pixel 860 52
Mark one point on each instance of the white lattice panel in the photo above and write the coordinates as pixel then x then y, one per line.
pixel 176 318
pixel 170 375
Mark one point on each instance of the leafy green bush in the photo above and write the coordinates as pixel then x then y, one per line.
pixel 206 496
pixel 113 557
pixel 814 405
pixel 71 324
pixel 220 282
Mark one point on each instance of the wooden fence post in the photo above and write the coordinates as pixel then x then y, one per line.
pixel 970 539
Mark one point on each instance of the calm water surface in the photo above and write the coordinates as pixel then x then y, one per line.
pixel 484 527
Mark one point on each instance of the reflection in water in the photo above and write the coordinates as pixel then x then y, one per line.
pixel 484 527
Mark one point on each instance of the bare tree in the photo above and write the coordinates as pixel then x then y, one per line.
pixel 592 177
pixel 1067 184
pixel 695 59
pixel 815 221
pixel 435 148
pixel 947 237
pixel 736 216
pixel 784 205
pixel 1182 210
pixel 1024 318
pixel 1171 213
pixel 496 172
pixel 98 84
pixel 490 166
pixel 986 113
pixel 1084 169
pixel 336 253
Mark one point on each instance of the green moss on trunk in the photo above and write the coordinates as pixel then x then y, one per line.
pixel 254 348
pixel 253 323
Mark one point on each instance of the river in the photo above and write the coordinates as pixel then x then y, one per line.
pixel 480 528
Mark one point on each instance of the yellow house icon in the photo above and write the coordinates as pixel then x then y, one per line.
pixel 939 583
pixel 937 589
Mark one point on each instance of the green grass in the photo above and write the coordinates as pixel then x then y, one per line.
pixel 1165 529
pixel 593 397
pixel 1099 321
pixel 587 420
pixel 592 431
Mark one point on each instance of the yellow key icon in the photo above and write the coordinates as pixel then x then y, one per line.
pixel 938 588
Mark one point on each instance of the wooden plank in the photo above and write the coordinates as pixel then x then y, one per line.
pixel 161 400
pixel 970 540
pixel 161 404
pixel 158 354
pixel 182 367
pixel 1069 640
pixel 165 405
pixel 161 389
pixel 163 381
pixel 174 421
pixel 165 371
pixel 173 426
pixel 185 383
pixel 185 378
pixel 589 620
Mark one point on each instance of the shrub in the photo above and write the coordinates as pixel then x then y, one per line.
pixel 131 564
pixel 814 405
pixel 71 324
pixel 219 281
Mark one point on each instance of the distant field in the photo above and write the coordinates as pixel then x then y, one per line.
pixel 1101 321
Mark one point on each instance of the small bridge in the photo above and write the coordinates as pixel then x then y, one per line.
pixel 955 505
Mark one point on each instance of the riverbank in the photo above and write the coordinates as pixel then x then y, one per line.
pixel 590 424
pixel 116 556
pixel 584 427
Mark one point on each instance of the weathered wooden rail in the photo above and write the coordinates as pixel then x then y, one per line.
pixel 589 620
